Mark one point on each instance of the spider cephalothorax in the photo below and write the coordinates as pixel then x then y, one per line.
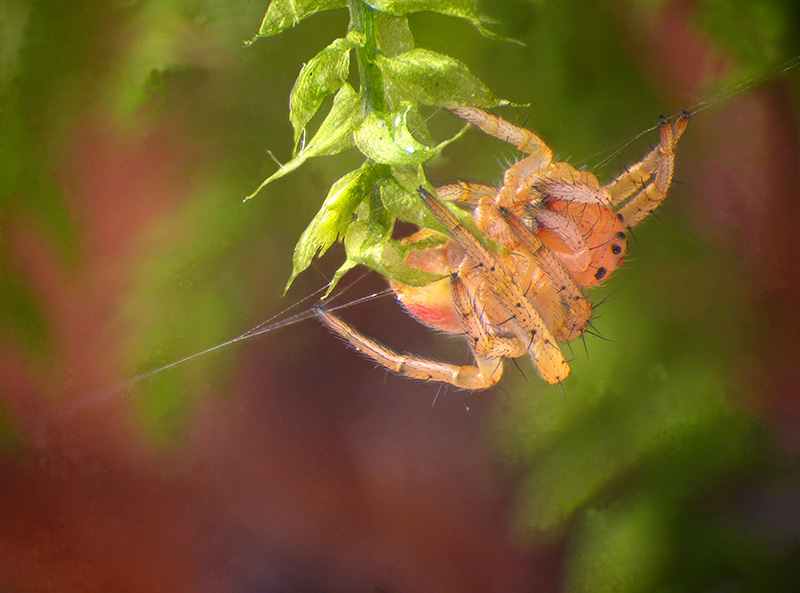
pixel 549 231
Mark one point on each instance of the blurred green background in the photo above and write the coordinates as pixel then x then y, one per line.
pixel 129 134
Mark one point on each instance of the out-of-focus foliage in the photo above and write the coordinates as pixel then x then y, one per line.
pixel 173 60
pixel 759 33
pixel 28 191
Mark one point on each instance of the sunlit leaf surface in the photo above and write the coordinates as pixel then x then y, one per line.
pixel 432 78
pixel 283 14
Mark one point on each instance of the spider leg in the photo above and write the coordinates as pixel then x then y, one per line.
pixel 632 180
pixel 648 180
pixel 539 154
pixel 523 139
pixel 524 320
pixel 482 342
pixel 580 311
pixel 465 193
pixel 581 191
pixel 651 196
pixel 486 374
pixel 568 232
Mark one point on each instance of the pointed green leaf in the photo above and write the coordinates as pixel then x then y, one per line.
pixel 334 135
pixel 393 35
pixel 336 132
pixel 348 265
pixel 459 8
pixel 464 9
pixel 333 218
pixel 283 14
pixel 369 242
pixel 435 79
pixel 324 74
pixel 388 140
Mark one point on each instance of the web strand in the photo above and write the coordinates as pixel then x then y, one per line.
pixel 269 325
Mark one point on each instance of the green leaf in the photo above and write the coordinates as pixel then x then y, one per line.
pixel 333 218
pixel 334 135
pixel 388 140
pixel 348 265
pixel 392 34
pixel 400 198
pixel 459 8
pixel 283 14
pixel 324 74
pixel 372 246
pixel 435 79
pixel 464 9
pixel 369 242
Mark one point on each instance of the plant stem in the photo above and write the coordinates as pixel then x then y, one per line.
pixel 362 20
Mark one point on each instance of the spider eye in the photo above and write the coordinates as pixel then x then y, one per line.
pixel 621 236
pixel 616 249
pixel 600 274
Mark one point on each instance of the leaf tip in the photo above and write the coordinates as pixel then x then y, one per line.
pixel 290 281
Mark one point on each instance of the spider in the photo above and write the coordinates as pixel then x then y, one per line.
pixel 548 232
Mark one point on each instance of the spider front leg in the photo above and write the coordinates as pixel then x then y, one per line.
pixel 523 139
pixel 651 177
pixel 483 376
pixel 539 154
pixel 466 193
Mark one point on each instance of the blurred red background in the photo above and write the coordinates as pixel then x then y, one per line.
pixel 310 469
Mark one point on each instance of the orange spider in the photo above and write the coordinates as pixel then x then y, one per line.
pixel 552 230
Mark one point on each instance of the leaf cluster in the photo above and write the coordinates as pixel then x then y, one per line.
pixel 381 119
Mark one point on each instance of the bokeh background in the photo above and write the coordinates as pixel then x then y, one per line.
pixel 130 132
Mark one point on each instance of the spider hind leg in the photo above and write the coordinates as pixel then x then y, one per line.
pixel 487 372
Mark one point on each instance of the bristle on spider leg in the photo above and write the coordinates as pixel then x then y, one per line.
pixel 563 391
pixel 632 235
pixel 527 290
pixel 530 343
pixel 438 391
pixel 594 332
pixel 510 319
pixel 602 302
pixel 519 368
